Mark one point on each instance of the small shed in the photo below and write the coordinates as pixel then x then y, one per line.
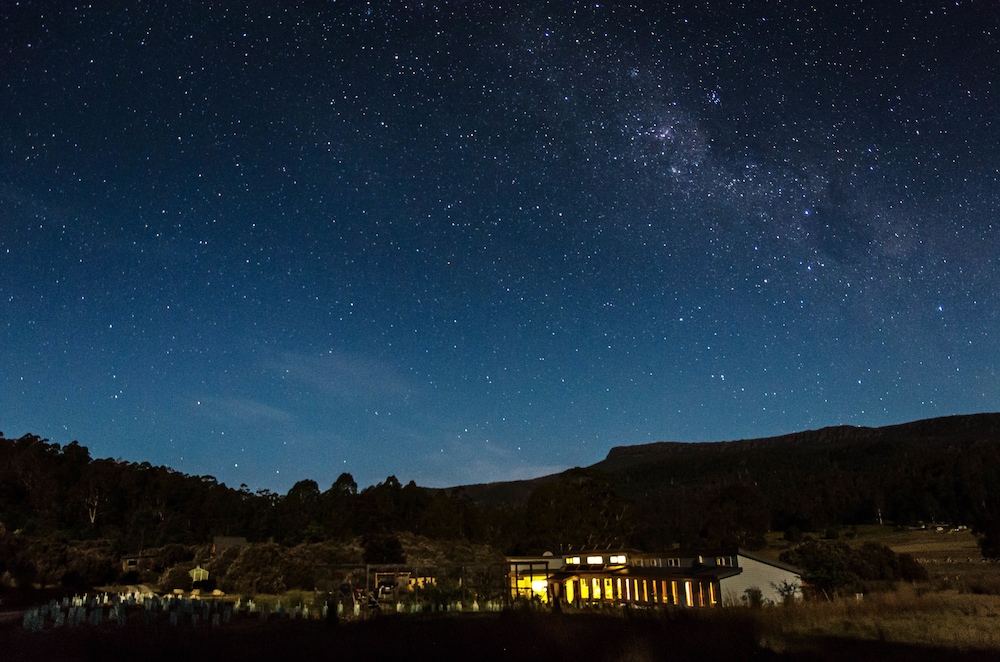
pixel 198 574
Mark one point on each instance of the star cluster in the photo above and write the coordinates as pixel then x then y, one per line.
pixel 464 241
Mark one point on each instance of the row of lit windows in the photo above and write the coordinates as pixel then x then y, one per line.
pixel 621 559
pixel 689 593
pixel 614 559
pixel 657 563
pixel 723 561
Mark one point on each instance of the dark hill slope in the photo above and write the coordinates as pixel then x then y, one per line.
pixel 942 469
pixel 950 429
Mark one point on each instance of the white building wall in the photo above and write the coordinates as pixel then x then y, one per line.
pixel 758 575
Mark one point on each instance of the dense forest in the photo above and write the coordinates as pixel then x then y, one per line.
pixel 647 497
pixel 703 494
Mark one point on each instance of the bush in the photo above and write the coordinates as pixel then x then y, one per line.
pixel 833 566
pixel 827 566
pixel 171 555
pixel 95 564
pixel 793 534
pixel 910 570
pixel 753 597
pixel 176 577
pixel 383 548
pixel 258 569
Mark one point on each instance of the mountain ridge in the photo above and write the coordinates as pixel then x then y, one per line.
pixel 623 459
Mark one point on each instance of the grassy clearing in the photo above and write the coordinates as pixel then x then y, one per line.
pixel 951 557
pixel 944 619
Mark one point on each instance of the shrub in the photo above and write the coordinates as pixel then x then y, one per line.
pixel 176 577
pixel 833 566
pixel 753 597
pixel 383 548
pixel 258 569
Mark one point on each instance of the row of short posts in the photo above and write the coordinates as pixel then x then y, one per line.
pixel 105 608
pixel 79 610
pixel 98 610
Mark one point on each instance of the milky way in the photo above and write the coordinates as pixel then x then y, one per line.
pixel 462 242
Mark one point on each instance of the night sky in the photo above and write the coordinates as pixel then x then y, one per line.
pixel 461 242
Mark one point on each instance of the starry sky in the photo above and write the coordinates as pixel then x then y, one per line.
pixel 460 242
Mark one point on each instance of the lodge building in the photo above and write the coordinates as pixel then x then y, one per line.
pixel 628 577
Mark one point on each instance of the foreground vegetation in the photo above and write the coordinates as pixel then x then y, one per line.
pixel 938 619
pixel 900 625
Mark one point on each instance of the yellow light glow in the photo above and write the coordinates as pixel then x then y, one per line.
pixel 539 586
pixel 595 560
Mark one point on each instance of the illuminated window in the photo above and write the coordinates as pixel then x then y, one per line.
pixel 584 590
pixel 596 588
pixel 595 560
pixel 616 560
pixel 712 598
pixel 688 594
pixel 572 560
pixel 609 590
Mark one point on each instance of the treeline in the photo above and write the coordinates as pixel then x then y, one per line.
pixel 937 470
pixel 647 497
pixel 48 490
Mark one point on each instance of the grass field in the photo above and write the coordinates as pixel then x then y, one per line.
pixel 940 619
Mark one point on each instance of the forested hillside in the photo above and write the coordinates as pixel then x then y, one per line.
pixel 703 494
pixel 937 470
pixel 647 497
pixel 48 490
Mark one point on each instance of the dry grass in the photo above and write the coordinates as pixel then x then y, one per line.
pixel 944 619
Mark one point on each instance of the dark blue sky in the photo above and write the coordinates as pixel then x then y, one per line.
pixel 461 242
